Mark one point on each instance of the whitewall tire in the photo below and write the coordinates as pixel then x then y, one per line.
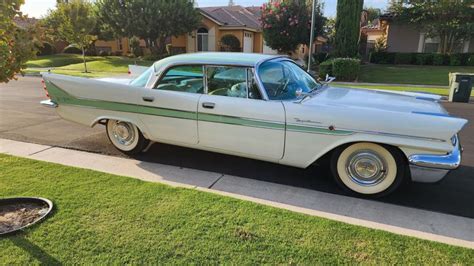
pixel 126 137
pixel 368 168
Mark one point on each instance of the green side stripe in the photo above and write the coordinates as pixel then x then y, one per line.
pixel 60 96
pixel 239 121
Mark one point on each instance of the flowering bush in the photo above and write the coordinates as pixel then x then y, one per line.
pixel 287 23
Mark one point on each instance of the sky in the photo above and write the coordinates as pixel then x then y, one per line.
pixel 39 8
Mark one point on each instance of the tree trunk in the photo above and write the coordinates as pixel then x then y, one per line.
pixel 161 45
pixel 84 59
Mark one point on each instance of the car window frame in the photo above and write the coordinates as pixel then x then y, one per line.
pixel 247 81
pixel 163 75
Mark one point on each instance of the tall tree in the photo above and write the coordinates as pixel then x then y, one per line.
pixel 346 41
pixel 74 21
pixel 372 13
pixel 16 44
pixel 287 23
pixel 151 20
pixel 452 21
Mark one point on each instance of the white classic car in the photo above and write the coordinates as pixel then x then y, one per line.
pixel 268 108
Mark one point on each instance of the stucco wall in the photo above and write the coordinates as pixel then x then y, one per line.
pixel 258 42
pixel 402 38
pixel 114 45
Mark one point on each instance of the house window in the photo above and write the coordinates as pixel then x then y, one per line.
pixel 120 45
pixel 202 39
pixel 431 45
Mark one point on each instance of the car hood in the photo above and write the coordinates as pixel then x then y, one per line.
pixel 377 100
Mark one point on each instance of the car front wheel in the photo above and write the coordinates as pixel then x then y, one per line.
pixel 368 169
pixel 126 137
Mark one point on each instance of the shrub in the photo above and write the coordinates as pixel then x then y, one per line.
pixel 72 50
pixel 346 69
pixel 91 51
pixel 320 57
pixel 325 68
pixel 403 58
pixel 382 58
pixel 45 49
pixel 465 58
pixel 440 59
pixel 455 60
pixel 424 59
pixel 135 48
pixel 470 60
pixel 118 53
pixel 230 43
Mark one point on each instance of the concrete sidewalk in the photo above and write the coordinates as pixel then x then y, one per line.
pixel 445 228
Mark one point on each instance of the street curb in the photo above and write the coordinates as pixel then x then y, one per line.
pixel 46 153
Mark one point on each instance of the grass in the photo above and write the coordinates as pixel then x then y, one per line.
pixel 410 74
pixel 72 65
pixel 106 219
pixel 58 60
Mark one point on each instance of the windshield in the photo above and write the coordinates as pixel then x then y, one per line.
pixel 141 80
pixel 284 80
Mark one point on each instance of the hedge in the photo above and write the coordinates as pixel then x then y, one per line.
pixel 344 69
pixel 470 60
pixel 325 68
pixel 421 58
pixel 72 50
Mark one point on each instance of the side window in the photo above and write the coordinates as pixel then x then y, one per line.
pixel 232 82
pixel 187 78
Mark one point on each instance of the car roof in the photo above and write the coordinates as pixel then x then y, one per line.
pixel 214 58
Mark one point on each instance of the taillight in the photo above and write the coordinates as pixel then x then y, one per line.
pixel 44 88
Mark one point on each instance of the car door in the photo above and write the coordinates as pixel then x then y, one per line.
pixel 169 110
pixel 232 117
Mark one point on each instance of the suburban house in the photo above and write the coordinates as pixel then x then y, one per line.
pixel 217 22
pixel 406 38
pixel 241 22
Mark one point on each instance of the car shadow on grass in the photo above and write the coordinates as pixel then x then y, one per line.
pixel 453 195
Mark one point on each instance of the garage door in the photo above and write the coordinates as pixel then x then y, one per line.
pixel 248 42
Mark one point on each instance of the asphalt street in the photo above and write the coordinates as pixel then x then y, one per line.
pixel 22 118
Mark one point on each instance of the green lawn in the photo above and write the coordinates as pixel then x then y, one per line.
pixel 106 219
pixel 58 60
pixel 408 74
pixel 72 65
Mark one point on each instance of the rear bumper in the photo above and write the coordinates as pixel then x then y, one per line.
pixel 49 103
pixel 429 168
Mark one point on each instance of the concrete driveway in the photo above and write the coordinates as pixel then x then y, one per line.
pixel 23 119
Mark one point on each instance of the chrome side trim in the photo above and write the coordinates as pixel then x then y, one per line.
pixel 49 103
pixel 449 161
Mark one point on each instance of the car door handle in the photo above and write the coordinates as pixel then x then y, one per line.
pixel 208 105
pixel 148 98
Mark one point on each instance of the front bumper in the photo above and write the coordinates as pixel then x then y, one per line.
pixel 429 168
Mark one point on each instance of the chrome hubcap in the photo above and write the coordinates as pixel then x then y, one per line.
pixel 366 168
pixel 123 133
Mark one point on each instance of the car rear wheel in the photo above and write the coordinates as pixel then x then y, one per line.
pixel 368 169
pixel 126 137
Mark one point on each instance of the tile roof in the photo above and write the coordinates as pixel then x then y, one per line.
pixel 234 16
